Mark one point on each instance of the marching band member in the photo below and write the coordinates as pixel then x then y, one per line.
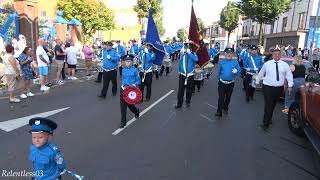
pixel 130 77
pixel 252 64
pixel 275 72
pixel 216 53
pixel 121 53
pixel 100 56
pixel 110 65
pixel 168 51
pixel 187 65
pixel 135 49
pixel 147 58
pixel 227 70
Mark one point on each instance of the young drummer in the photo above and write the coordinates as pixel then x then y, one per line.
pixel 227 70
pixel 130 77
pixel 47 160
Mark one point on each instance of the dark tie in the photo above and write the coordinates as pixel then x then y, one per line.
pixel 277 69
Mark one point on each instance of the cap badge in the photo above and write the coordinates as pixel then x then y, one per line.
pixel 37 122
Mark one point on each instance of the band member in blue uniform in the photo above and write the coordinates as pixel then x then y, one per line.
pixel 100 55
pixel 110 66
pixel 130 77
pixel 121 53
pixel 135 49
pixel 216 53
pixel 168 50
pixel 228 68
pixel 187 65
pixel 147 58
pixel 47 160
pixel 252 64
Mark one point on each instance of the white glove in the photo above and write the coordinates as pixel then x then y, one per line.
pixel 146 50
pixel 234 71
pixel 108 57
pixel 188 51
pixel 256 69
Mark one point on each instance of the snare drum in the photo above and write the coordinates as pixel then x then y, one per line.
pixel 136 60
pixel 199 74
pixel 100 69
pixel 253 82
pixel 208 68
pixel 167 62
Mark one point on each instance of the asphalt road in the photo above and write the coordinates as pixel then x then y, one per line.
pixel 164 143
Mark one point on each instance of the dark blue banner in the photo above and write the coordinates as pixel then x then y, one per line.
pixel 152 38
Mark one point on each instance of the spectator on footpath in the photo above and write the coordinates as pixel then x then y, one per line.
pixel 11 72
pixel 48 50
pixel 25 60
pixel 88 56
pixel 268 55
pixel 43 62
pixel 72 53
pixel 60 57
pixel 283 51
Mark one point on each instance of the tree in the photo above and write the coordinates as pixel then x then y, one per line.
pixel 93 15
pixel 3 19
pixel 142 9
pixel 182 34
pixel 201 25
pixel 263 12
pixel 229 17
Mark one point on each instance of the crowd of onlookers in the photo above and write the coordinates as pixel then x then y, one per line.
pixel 21 65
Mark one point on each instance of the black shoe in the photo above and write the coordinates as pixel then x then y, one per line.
pixel 218 114
pixel 178 106
pixel 137 115
pixel 97 81
pixel 187 105
pixel 264 127
pixel 225 111
pixel 122 125
pixel 247 99
pixel 101 96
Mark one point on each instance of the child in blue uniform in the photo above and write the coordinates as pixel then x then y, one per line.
pixel 227 70
pixel 47 160
pixel 130 77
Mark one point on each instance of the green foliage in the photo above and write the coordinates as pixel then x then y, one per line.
pixel 142 9
pixel 9 6
pixel 201 24
pixel 263 11
pixel 4 18
pixel 93 15
pixel 229 17
pixel 182 34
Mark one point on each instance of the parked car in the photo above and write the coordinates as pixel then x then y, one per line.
pixel 304 114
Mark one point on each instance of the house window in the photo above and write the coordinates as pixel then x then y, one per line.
pixel 43 14
pixel 284 24
pixel 252 31
pixel 301 20
pixel 272 28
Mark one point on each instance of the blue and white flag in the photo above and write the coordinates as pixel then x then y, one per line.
pixel 152 38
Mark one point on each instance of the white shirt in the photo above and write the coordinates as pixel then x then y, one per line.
pixel 72 55
pixel 41 51
pixel 269 72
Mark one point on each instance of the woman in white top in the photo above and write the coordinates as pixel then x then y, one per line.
pixel 11 72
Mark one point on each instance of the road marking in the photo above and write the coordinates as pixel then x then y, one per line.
pixel 211 105
pixel 116 132
pixel 13 124
pixel 166 121
pixel 207 118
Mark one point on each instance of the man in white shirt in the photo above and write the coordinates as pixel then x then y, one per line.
pixel 43 61
pixel 72 53
pixel 274 73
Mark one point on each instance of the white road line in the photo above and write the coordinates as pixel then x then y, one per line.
pixel 211 105
pixel 116 132
pixel 207 118
pixel 19 122
pixel 166 121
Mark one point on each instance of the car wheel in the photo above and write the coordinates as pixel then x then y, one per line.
pixel 295 120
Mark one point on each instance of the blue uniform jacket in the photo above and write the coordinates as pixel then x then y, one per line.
pixel 130 76
pixel 120 50
pixel 244 54
pixel 168 49
pixel 247 63
pixel 191 58
pixel 135 49
pixel 215 51
pixel 225 69
pixel 111 63
pixel 47 161
pixel 146 60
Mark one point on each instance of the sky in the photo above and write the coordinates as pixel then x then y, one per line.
pixel 177 13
